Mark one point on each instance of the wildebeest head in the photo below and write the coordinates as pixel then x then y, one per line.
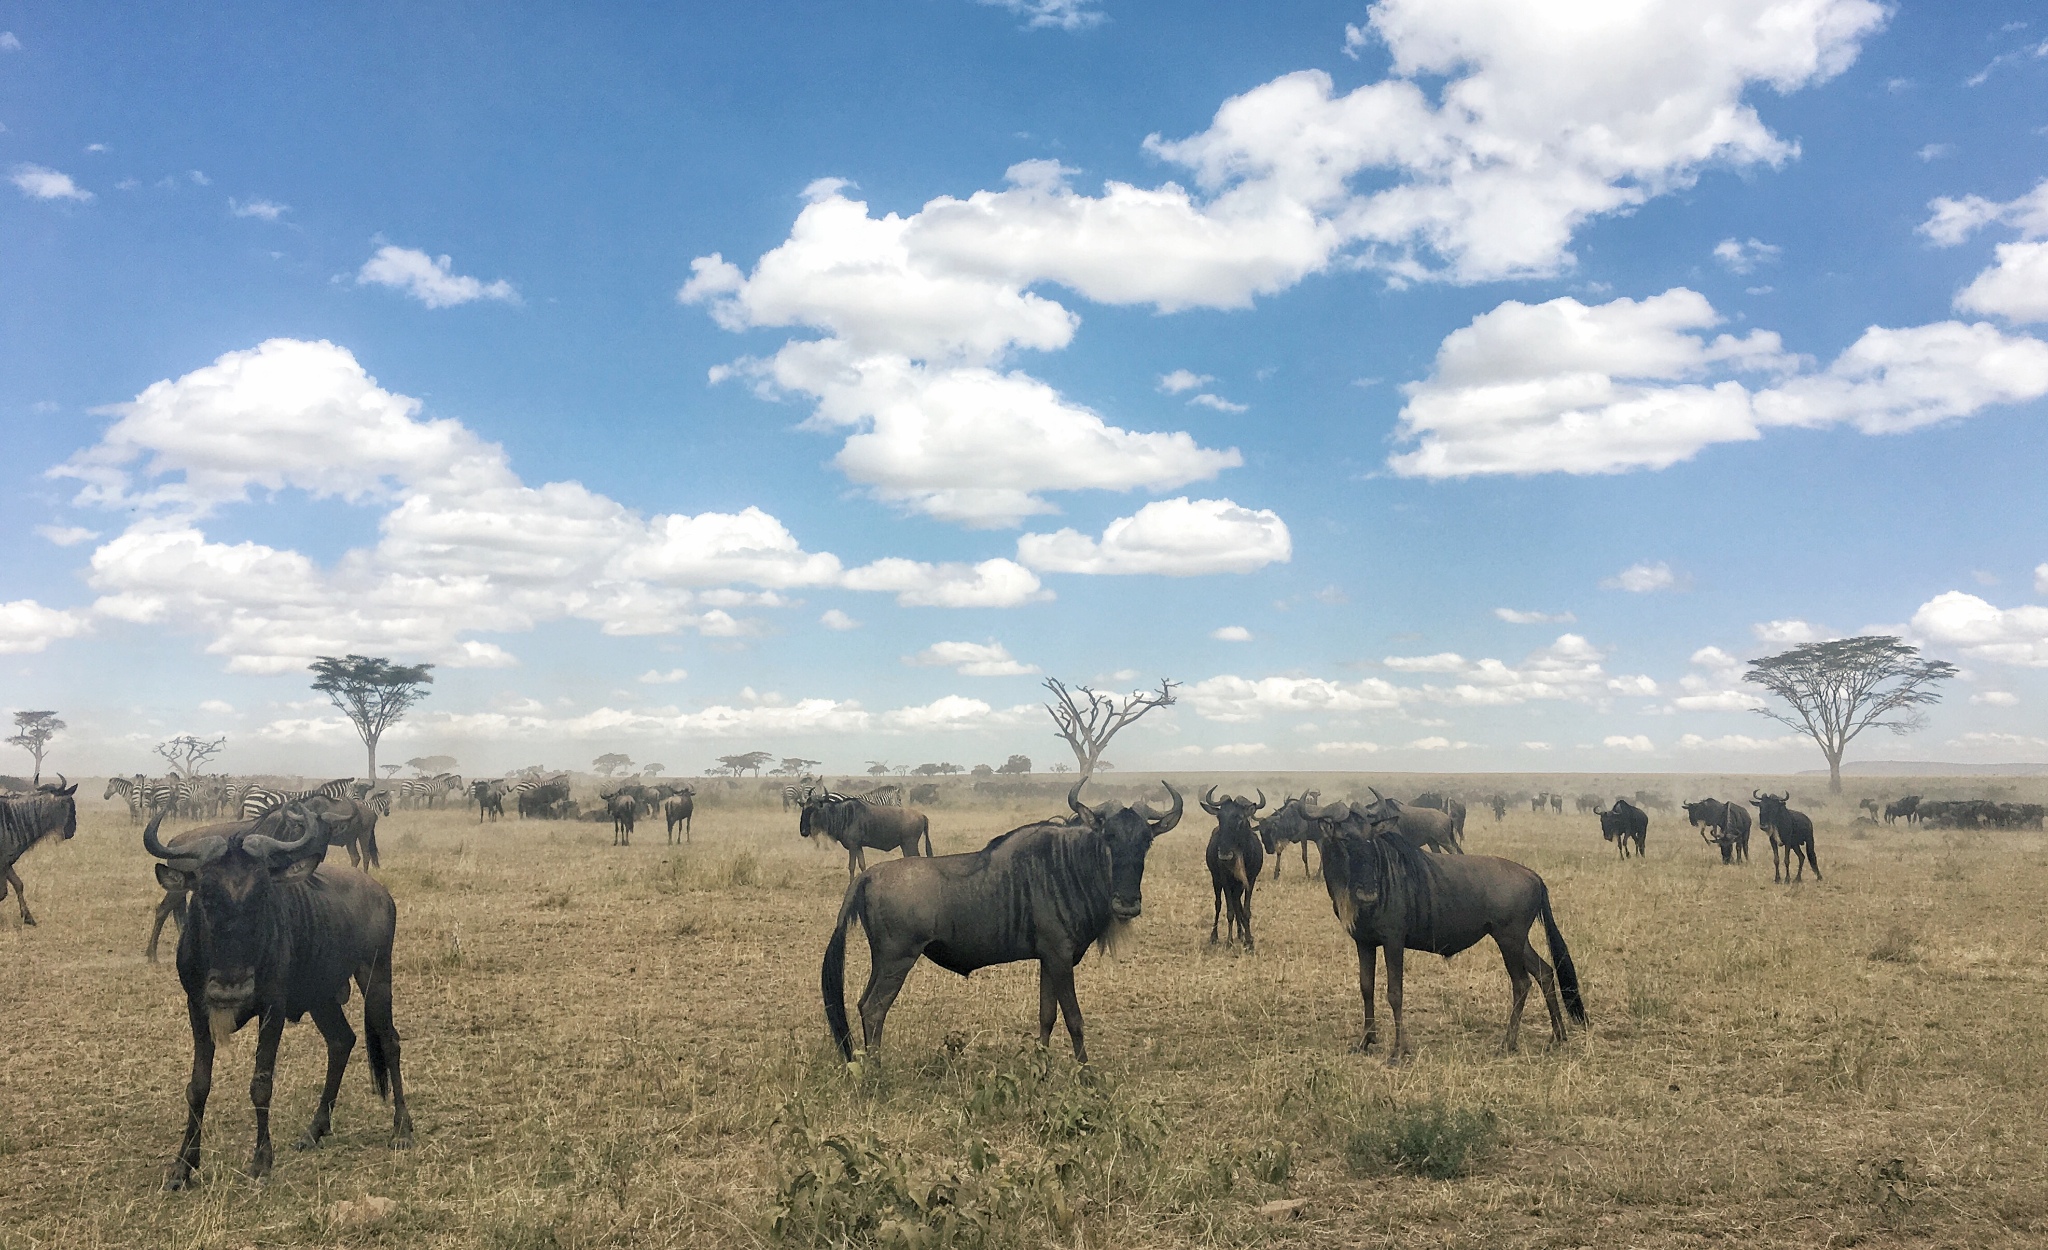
pixel 229 879
pixel 1769 807
pixel 1128 833
pixel 1288 823
pixel 1704 812
pixel 58 790
pixel 1233 814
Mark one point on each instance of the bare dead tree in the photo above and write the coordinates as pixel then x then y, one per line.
pixel 187 752
pixel 1840 688
pixel 1088 720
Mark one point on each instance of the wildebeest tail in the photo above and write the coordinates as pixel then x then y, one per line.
pixel 370 842
pixel 832 977
pixel 1561 958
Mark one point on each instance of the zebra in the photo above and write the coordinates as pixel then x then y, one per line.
pixel 131 790
pixel 380 801
pixel 261 800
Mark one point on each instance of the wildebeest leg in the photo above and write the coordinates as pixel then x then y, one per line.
pixel 382 1045
pixel 341 1039
pixel 173 904
pixel 1368 956
pixel 20 895
pixel 1060 973
pixel 1216 910
pixel 267 1038
pixel 885 981
pixel 1547 978
pixel 1515 954
pixel 1247 909
pixel 1395 954
pixel 179 1174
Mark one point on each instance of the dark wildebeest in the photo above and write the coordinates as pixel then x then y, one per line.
pixel 1623 821
pixel 1537 802
pixel 1286 826
pixel 1586 803
pixel 489 797
pixel 1499 804
pixel 623 809
pixel 1044 892
pixel 1789 831
pixel 1235 859
pixel 1388 894
pixel 273 935
pixel 678 810
pixel 1557 805
pixel 1423 826
pixel 1454 808
pixel 857 825
pixel 356 832
pixel 544 801
pixel 52 811
pixel 1909 807
pixel 1724 825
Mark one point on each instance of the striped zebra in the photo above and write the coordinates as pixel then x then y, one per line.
pixel 167 795
pixel 131 791
pixel 380 800
pixel 262 800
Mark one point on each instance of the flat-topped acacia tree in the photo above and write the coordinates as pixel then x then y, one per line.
pixel 372 692
pixel 1839 688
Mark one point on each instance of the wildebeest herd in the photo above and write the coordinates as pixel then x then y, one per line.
pixel 271 932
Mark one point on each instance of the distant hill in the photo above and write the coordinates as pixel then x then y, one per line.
pixel 1931 768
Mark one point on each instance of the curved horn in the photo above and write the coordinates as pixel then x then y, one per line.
pixel 1376 794
pixel 1208 800
pixel 53 787
pixel 1172 818
pixel 1074 800
pixel 1262 800
pixel 183 858
pixel 1754 794
pixel 1335 812
pixel 149 839
pixel 263 845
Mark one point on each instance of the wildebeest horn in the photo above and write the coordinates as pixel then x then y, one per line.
pixel 1755 794
pixel 53 787
pixel 1334 812
pixel 1376 794
pixel 263 845
pixel 1161 824
pixel 1262 800
pixel 1074 800
pixel 184 858
pixel 1209 800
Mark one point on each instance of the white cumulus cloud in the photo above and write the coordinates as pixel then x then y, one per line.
pixel 1738 256
pixel 431 280
pixel 656 677
pixel 38 182
pixel 1788 633
pixel 1972 626
pixel 65 535
pixel 1638 743
pixel 1742 742
pixel 1067 15
pixel 1995 698
pixel 834 619
pixel 1516 617
pixel 971 659
pixel 1231 633
pixel 1175 537
pixel 263 210
pixel 1642 578
pixel 1181 381
pixel 27 626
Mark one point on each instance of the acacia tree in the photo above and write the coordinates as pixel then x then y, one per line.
pixel 653 770
pixel 426 765
pixel 750 762
pixel 1016 766
pixel 611 762
pixel 32 733
pixel 1088 720
pixel 794 766
pixel 1840 688
pixel 372 692
pixel 187 752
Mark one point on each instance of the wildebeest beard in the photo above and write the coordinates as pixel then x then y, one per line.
pixel 1114 939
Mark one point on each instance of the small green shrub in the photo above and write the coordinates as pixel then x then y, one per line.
pixel 1434 1140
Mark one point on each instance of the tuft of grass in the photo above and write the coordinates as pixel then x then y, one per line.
pixel 554 900
pixel 1899 945
pixel 1436 1140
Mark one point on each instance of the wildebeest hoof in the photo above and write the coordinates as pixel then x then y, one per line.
pixel 402 1141
pixel 259 1165
pixel 178 1176
pixel 308 1140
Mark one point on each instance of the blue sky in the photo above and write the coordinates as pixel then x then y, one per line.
pixel 1424 385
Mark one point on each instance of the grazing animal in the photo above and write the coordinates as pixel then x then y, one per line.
pixel 1454 808
pixel 130 792
pixel 623 809
pixel 1586 803
pixel 489 797
pixel 543 799
pixel 678 810
pixel 1909 807
pixel 260 801
pixel 1538 801
pixel 275 935
pixel 1623 822
pixel 355 832
pixel 1044 891
pixel 1422 826
pixel 1723 825
pixel 1499 804
pixel 1235 858
pixel 858 824
pixel 51 811
pixel 1557 805
pixel 1287 826
pixel 1390 896
pixel 1789 831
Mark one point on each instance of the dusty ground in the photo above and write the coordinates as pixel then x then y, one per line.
pixel 624 1048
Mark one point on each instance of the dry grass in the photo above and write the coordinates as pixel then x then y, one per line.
pixel 624 1048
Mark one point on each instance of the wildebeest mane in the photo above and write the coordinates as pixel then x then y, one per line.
pixel 1393 869
pixel 27 820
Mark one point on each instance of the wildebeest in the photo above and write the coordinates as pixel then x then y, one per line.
pixel 1499 804
pixel 489 797
pixel 1235 859
pixel 1557 805
pixel 1044 891
pixel 623 809
pixel 1286 826
pixel 1586 803
pixel 1389 895
pixel 1622 822
pixel 52 811
pixel 857 825
pixel 1423 826
pixel 356 832
pixel 1789 831
pixel 1725 825
pixel 544 800
pixel 1454 808
pixel 1909 807
pixel 274 935
pixel 677 810
pixel 1537 802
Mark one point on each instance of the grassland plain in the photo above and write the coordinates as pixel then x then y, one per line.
pixel 623 1047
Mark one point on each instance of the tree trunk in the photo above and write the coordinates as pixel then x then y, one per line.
pixel 371 743
pixel 1834 772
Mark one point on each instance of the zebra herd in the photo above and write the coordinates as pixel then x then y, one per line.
pixel 221 797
